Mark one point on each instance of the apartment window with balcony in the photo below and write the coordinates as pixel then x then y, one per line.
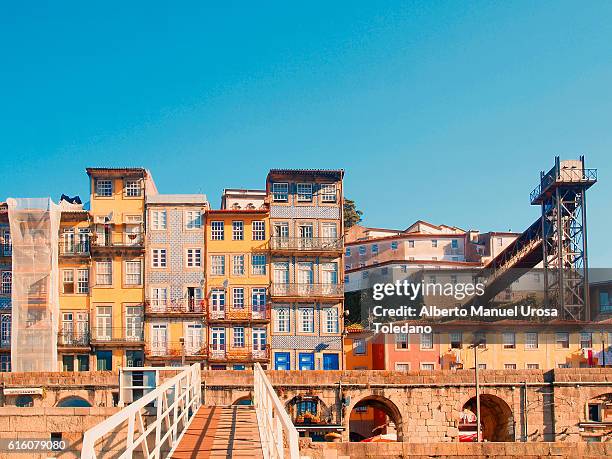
pixel 133 323
pixel 238 298
pixel 259 230
pixel 193 219
pixel 133 272
pixel 7 245
pixel 531 340
pixel 562 340
pixel 426 340
pixel 258 263
pixel 401 341
pixel 328 192
pixel 304 192
pixel 238 336
pixel 158 258
pixel 282 324
pixel 359 346
pixel 217 231
pixel 159 297
pixel 305 272
pixel 159 220
pixel 347 252
pixel 104 272
pixel 104 322
pixel 194 258
pixel 586 340
pixel 68 281
pixel 330 231
pixel 331 320
pixel 217 265
pixel 280 192
pixel 434 243
pixel 217 298
pixel 258 297
pixel 306 320
pixel 238 230
pixel 238 265
pixel 104 188
pixel 83 281
pixel 509 340
pixel 329 272
pixel 456 340
pixel 132 188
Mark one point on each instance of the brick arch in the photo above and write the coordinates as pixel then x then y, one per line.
pixel 379 402
pixel 496 417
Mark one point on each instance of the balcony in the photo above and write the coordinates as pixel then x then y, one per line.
pixel 73 339
pixel 239 313
pixel 173 350
pixel 117 241
pixel 219 353
pixel 167 308
pixel 306 244
pixel 79 249
pixel 109 337
pixel 307 291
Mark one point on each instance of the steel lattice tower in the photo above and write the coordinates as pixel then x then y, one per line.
pixel 562 197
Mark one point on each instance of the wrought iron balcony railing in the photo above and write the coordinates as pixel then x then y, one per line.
pixel 307 290
pixel 173 349
pixel 239 312
pixel 74 249
pixel 73 338
pixel 306 243
pixel 223 353
pixel 103 335
pixel 182 306
pixel 118 240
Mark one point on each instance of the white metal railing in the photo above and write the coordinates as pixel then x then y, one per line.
pixel 273 420
pixel 175 402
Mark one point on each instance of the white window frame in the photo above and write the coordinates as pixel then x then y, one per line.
pixel 103 188
pixel 238 230
pixel 304 192
pixel 132 188
pixel 238 265
pixel 531 340
pixel 306 315
pixel 328 193
pixel 217 230
pixel 193 219
pixel 258 228
pixel 131 273
pixel 83 280
pixel 217 265
pixel 193 258
pixel 280 192
pixel 159 258
pixel 68 279
pixel 103 274
pixel 332 324
pixel 509 340
pixel 282 323
pixel 237 334
pixel 427 343
pixel 159 220
pixel 7 281
pixel 258 268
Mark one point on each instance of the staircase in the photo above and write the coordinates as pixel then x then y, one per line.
pixel 221 431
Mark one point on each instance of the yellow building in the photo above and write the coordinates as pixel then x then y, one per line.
pixel 237 281
pixel 117 251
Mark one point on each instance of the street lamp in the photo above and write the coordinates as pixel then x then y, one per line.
pixel 477 384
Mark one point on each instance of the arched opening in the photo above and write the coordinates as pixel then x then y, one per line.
pixel 496 419
pixel 375 418
pixel 247 400
pixel 73 402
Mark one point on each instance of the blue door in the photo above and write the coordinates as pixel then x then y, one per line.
pixel 330 362
pixel 282 361
pixel 306 361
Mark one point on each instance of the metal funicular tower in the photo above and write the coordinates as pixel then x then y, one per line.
pixel 562 197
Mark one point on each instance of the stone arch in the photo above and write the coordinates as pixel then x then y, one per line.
pixel 496 417
pixel 73 401
pixel 244 400
pixel 322 409
pixel 379 404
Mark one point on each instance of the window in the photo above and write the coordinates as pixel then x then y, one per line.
pixel 426 340
pixel 348 252
pixel 104 322
pixel 217 231
pixel 133 323
pixel 282 324
pixel 605 302
pixel 5 363
pixel 158 260
pixel 258 262
pixel 509 340
pixel 405 367
pixel 133 272
pixel 68 281
pixel 238 298
pixel 411 244
pixel 359 346
pixel 510 366
pixel 24 401
pixel 563 365
pixel 456 340
pixel 280 192
pixel 104 188
pixel 362 250
pixel 83 281
pixel 384 271
pixel 365 274
pixel 500 241
pixel 217 265
pixel 329 273
pixel 306 320
pixel 401 341
pixel 328 192
pixel 193 219
pixel 374 249
pixel 427 366
pixel 481 339
pixel 586 340
pixel 104 272
pixel 531 340
pixel 304 192
pixel 306 406
pixel 434 243
pixel 482 366
pixel 238 230
pixel 132 188
pixel 595 412
pixel 7 245
pixel 159 220
pixel 331 320
pixel 238 265
pixel 238 336
pixel 562 340
pixel 454 244
pixel 194 258
pixel 159 296
pixel 394 245
pixel 533 366
pixel 259 230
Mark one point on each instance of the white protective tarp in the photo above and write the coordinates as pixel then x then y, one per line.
pixel 34 225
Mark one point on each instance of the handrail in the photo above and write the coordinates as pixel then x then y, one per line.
pixel 273 420
pixel 176 403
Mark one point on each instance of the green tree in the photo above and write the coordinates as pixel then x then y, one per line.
pixel 352 215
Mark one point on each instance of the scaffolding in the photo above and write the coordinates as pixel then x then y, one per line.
pixel 34 225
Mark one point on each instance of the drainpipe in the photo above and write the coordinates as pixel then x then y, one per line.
pixel 525 431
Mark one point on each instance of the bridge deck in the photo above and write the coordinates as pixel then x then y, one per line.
pixel 221 431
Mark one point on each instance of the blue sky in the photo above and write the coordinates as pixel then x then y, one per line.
pixel 441 111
